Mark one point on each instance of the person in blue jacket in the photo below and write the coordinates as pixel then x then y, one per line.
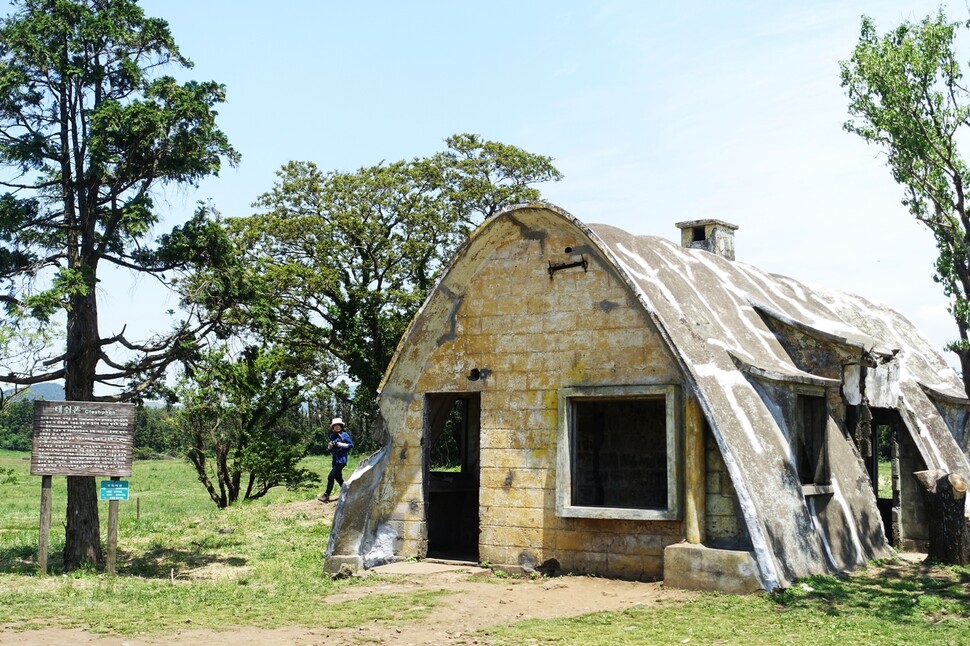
pixel 339 445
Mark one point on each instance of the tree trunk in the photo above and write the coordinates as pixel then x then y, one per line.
pixel 82 542
pixel 197 457
pixel 949 528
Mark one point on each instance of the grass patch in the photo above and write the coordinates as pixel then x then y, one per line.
pixel 181 561
pixel 183 564
pixel 899 604
pixel 885 479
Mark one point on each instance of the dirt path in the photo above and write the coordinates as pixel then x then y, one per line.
pixel 470 606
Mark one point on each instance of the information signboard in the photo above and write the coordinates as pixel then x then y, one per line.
pixel 82 438
pixel 114 490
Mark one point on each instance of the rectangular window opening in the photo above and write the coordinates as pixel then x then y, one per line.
pixel 618 453
pixel 620 456
pixel 811 446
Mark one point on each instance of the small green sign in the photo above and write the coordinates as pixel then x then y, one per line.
pixel 114 490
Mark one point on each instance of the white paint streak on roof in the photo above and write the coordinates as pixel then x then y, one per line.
pixel 813 512
pixel 710 300
pixel 928 440
pixel 919 360
pixel 644 273
pixel 860 553
pixel 729 380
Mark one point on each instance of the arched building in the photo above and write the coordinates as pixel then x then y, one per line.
pixel 626 406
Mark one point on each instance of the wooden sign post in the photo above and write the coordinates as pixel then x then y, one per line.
pixel 80 439
pixel 45 523
pixel 113 490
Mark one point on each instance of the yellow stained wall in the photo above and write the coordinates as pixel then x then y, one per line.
pixel 534 335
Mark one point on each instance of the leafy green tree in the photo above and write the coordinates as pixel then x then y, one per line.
pixel 237 416
pixel 155 433
pixel 17 425
pixel 23 346
pixel 907 95
pixel 346 258
pixel 88 131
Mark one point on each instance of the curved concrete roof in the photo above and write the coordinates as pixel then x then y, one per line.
pixel 713 311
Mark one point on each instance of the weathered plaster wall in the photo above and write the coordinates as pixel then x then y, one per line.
pixel 530 335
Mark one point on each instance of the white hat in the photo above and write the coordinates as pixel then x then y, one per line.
pixel 335 421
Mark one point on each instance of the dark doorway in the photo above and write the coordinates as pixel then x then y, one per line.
pixel 451 468
pixel 892 459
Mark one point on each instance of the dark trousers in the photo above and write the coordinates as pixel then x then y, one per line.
pixel 336 475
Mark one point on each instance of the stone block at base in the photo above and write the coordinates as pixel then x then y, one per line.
pixel 695 567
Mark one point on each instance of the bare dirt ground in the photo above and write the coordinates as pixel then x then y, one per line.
pixel 471 604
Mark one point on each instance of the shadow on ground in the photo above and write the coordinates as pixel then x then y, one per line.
pixel 164 562
pixel 22 559
pixel 894 592
pixel 156 563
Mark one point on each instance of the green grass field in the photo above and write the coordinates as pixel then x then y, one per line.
pixel 181 561
pixel 184 564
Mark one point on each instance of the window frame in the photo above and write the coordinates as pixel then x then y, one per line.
pixel 564 460
pixel 822 481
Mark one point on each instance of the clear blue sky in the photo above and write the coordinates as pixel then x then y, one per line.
pixel 655 113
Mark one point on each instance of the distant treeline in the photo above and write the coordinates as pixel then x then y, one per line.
pixel 157 432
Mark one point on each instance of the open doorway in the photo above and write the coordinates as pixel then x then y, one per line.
pixel 451 469
pixel 893 459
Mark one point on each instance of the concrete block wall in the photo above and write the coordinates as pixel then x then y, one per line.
pixel 724 524
pixel 913 526
pixel 532 335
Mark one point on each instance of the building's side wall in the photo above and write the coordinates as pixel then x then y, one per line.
pixel 531 335
pixel 811 354
pixel 724 525
pixel 913 525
